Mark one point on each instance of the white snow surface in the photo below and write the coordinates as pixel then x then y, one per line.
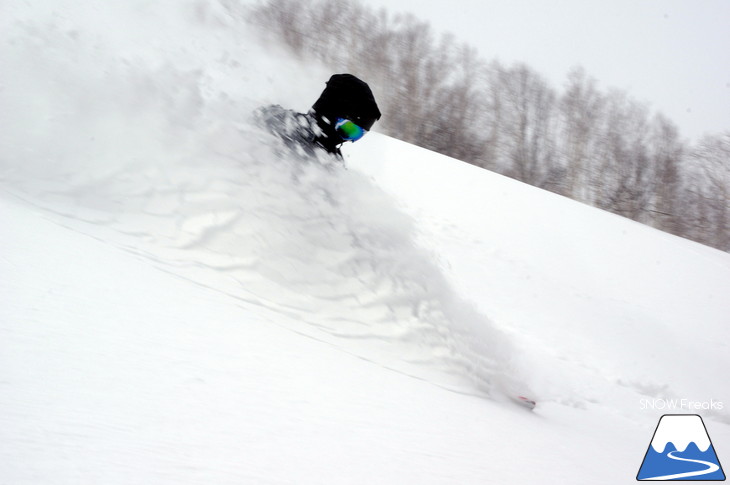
pixel 182 302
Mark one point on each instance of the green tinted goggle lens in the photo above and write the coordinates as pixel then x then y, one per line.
pixel 348 130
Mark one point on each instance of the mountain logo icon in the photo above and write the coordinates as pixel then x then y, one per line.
pixel 681 450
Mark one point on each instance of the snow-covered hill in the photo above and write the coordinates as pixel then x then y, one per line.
pixel 180 303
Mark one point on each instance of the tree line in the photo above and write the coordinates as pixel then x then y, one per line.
pixel 599 147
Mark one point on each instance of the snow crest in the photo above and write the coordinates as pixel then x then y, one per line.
pixel 160 157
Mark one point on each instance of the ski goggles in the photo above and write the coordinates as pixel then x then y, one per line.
pixel 348 130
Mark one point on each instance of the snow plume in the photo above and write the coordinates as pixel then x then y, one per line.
pixel 152 144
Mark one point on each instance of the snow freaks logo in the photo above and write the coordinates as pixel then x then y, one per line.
pixel 681 450
pixel 680 405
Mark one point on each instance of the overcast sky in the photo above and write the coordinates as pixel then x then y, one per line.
pixel 673 54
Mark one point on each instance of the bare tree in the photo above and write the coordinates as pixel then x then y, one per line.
pixel 621 177
pixel 668 153
pixel 528 124
pixel 581 106
pixel 712 157
pixel 455 118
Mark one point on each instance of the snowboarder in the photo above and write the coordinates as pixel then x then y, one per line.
pixel 345 111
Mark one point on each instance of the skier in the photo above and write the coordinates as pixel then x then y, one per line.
pixel 345 111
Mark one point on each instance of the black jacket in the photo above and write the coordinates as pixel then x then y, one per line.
pixel 300 132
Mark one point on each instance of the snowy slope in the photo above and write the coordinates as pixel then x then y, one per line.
pixel 619 309
pixel 180 303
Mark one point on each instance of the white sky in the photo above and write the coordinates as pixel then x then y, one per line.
pixel 673 54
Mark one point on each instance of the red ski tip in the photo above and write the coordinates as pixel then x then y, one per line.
pixel 526 402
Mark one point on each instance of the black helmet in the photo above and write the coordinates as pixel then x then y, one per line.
pixel 346 97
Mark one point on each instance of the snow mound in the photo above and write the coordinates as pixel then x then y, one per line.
pixel 162 158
